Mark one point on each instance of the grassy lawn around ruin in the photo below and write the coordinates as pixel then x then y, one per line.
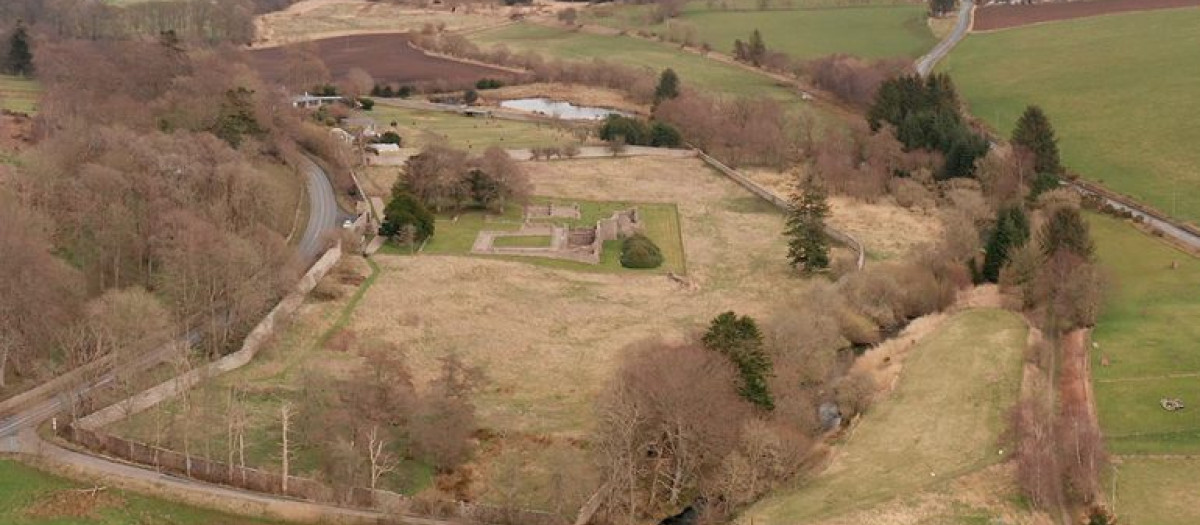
pixel 943 421
pixel 522 241
pixel 456 234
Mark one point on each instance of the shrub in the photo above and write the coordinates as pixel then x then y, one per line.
pixel 470 96
pixel 663 135
pixel 638 251
pixel 366 103
pixel 632 130
pixel 489 83
pixel 389 137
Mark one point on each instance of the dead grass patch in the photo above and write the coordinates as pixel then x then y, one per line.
pixel 886 229
pixel 73 503
pixel 314 19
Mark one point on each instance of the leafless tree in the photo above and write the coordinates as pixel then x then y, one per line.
pixel 672 414
pixel 286 412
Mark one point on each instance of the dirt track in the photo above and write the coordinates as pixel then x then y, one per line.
pixel 387 57
pixel 1005 16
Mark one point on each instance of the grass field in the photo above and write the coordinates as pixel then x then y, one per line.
pixel 31 497
pixel 943 421
pixel 523 241
pixel 1158 491
pixel 872 32
pixel 419 128
pixel 693 69
pixel 1119 90
pixel 18 94
pixel 1148 333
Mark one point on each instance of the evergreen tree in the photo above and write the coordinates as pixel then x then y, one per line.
pixel 739 339
pixel 1066 230
pixel 808 244
pixel 404 213
pixel 757 50
pixel 20 58
pixel 1035 133
pixel 1010 233
pixel 668 86
pixel 663 135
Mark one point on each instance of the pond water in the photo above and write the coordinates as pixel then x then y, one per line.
pixel 563 110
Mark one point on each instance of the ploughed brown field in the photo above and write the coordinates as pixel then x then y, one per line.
pixel 1004 16
pixel 387 57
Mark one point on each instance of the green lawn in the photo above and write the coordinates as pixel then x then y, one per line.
pixel 1148 330
pixel 523 241
pixel 26 499
pixel 872 32
pixel 1120 90
pixel 943 420
pixel 455 235
pixel 693 69
pixel 1158 491
pixel 419 128
pixel 18 94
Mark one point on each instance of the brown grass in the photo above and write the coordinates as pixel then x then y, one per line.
pixel 71 503
pixel 548 338
pixel 986 496
pixel 886 229
pixel 314 19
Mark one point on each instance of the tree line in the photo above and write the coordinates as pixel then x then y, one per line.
pixel 158 175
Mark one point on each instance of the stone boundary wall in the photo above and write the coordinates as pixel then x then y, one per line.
pixel 250 347
pixel 784 205
pixel 307 489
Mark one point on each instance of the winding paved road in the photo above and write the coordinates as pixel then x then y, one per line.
pixel 926 63
pixel 323 210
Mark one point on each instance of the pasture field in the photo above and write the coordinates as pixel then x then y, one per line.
pixel 995 17
pixel 31 497
pixel 1148 333
pixel 1158 491
pixel 18 94
pixel 943 421
pixel 870 32
pixel 634 16
pixel 1116 89
pixel 419 128
pixel 401 64
pixel 693 69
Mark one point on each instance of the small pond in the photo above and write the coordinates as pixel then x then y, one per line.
pixel 563 110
